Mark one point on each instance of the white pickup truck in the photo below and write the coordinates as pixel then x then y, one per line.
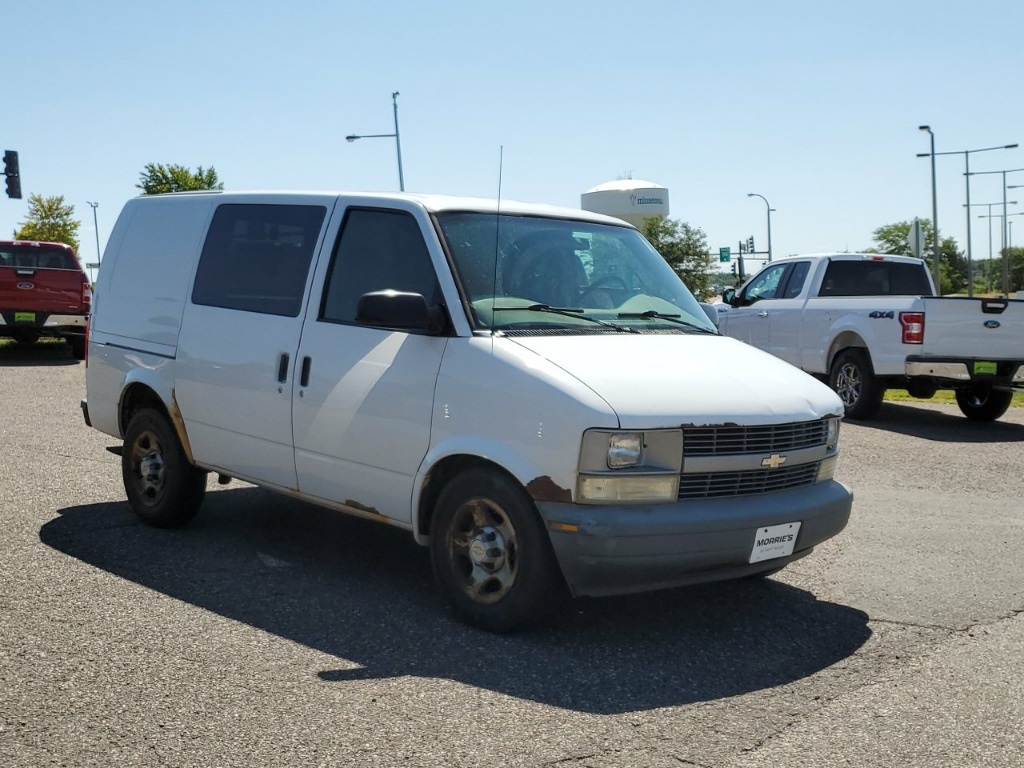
pixel 870 322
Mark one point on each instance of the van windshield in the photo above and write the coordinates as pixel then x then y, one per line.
pixel 514 270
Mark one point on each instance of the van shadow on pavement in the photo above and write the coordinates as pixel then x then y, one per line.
pixel 36 354
pixel 363 592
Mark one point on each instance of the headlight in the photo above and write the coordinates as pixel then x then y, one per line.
pixel 628 488
pixel 624 449
pixel 832 441
pixel 629 467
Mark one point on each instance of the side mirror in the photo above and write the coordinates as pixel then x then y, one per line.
pixel 399 311
pixel 729 296
pixel 711 311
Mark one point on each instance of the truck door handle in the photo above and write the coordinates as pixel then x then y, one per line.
pixel 282 368
pixel 763 313
pixel 306 363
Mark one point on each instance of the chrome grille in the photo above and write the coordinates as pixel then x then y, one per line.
pixel 772 438
pixel 710 485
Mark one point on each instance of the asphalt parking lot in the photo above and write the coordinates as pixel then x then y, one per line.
pixel 272 633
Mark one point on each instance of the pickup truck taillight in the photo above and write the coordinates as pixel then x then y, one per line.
pixel 913 327
pixel 86 293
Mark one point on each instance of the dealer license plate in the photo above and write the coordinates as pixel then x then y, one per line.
pixel 24 317
pixel 982 368
pixel 774 541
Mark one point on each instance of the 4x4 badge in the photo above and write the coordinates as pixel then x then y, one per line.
pixel 774 461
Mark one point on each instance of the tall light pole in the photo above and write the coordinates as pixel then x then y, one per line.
pixel 935 213
pixel 770 209
pixel 96 228
pixel 1006 256
pixel 988 272
pixel 398 143
pixel 967 175
pixel 1007 233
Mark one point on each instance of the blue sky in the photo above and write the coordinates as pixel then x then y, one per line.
pixel 814 105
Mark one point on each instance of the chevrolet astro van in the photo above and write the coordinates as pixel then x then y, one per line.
pixel 530 391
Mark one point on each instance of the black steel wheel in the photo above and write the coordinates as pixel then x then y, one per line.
pixel 163 489
pixel 854 381
pixel 490 553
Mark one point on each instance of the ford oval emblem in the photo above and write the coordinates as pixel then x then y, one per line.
pixel 991 323
pixel 26 286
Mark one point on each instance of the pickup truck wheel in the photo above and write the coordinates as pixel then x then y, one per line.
pixel 77 347
pixel 491 556
pixel 983 404
pixel 163 489
pixel 854 381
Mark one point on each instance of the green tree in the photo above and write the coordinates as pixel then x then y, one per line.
pixel 893 239
pixel 685 248
pixel 51 220
pixel 157 178
pixel 1016 256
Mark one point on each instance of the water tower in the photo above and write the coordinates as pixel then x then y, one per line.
pixel 632 200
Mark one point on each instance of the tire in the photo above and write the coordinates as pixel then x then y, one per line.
pixel 854 381
pixel 491 556
pixel 163 489
pixel 77 347
pixel 983 403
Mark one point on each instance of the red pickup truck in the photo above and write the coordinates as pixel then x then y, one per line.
pixel 43 292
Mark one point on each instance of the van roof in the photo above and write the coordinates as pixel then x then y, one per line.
pixel 433 203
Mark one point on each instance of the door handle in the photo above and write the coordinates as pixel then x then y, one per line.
pixel 307 362
pixel 282 368
pixel 763 313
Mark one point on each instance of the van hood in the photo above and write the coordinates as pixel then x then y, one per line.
pixel 668 380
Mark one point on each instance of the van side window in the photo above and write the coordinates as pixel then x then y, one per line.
pixel 256 258
pixel 377 250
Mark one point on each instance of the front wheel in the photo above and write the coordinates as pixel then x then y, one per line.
pixel 491 556
pixel 854 381
pixel 983 404
pixel 163 489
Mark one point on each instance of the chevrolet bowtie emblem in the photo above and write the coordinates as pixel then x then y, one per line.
pixel 774 461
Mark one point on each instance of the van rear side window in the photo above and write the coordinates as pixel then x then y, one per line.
pixel 256 258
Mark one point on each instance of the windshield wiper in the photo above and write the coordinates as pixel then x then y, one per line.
pixel 570 312
pixel 655 315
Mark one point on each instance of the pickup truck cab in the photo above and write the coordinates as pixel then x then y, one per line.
pixel 530 391
pixel 869 322
pixel 43 292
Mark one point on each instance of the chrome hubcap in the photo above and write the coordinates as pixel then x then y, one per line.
pixel 483 550
pixel 148 464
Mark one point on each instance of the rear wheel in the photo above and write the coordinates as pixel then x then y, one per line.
pixel 983 403
pixel 163 489
pixel 491 555
pixel 854 381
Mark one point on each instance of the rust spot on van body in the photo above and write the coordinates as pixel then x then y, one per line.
pixel 363 508
pixel 545 489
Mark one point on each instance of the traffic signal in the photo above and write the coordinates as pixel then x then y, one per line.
pixel 750 244
pixel 12 174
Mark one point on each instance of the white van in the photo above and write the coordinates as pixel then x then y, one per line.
pixel 530 391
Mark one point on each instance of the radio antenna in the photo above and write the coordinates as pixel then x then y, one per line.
pixel 497 235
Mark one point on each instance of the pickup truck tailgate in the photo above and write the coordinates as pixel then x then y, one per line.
pixel 983 329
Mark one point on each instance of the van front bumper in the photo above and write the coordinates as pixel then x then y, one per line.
pixel 623 549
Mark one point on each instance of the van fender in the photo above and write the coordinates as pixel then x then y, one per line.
pixel 142 378
pixel 469 450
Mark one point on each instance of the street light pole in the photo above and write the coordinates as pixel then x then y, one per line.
pixel 935 213
pixel 770 209
pixel 967 174
pixel 988 270
pixel 1006 256
pixel 398 143
pixel 96 228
